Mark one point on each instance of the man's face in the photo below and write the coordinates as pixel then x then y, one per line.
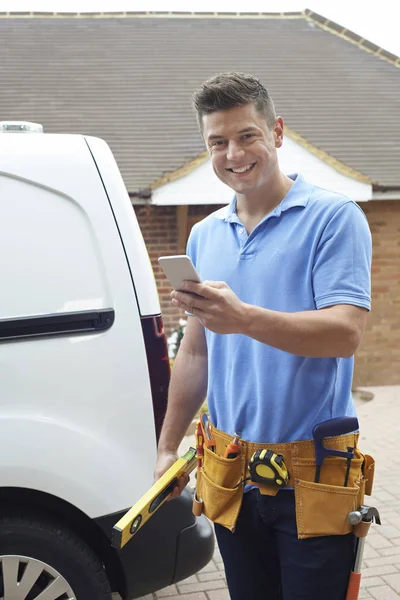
pixel 242 147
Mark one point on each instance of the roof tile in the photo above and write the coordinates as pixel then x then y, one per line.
pixel 129 79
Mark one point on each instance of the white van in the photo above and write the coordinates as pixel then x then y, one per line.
pixel 84 374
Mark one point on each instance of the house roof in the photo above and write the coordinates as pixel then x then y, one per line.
pixel 128 78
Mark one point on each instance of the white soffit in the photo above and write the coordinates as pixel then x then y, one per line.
pixel 202 186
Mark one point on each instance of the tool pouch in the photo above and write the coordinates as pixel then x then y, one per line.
pixel 217 488
pixel 368 472
pixel 322 508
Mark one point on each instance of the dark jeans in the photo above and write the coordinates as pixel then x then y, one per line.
pixel 264 559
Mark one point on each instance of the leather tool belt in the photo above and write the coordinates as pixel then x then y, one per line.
pixel 321 508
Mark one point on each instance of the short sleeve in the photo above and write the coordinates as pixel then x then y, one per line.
pixel 191 247
pixel 342 261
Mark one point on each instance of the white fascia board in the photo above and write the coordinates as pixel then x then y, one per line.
pixel 293 158
pixel 386 195
pixel 202 186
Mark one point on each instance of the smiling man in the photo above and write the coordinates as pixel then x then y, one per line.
pixel 270 340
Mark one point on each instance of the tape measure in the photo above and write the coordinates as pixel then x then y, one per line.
pixel 267 467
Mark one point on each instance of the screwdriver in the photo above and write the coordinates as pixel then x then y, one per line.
pixel 346 477
pixel 199 444
pixel 208 437
pixel 233 448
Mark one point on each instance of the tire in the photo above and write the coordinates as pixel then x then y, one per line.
pixel 36 553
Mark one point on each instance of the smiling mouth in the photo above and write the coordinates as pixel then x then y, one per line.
pixel 242 170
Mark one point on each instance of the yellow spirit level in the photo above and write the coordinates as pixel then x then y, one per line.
pixel 150 502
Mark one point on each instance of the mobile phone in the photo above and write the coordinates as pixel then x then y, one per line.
pixel 178 268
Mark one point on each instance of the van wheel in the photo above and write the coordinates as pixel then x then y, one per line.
pixel 39 556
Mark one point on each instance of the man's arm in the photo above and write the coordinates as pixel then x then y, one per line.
pixel 187 391
pixel 335 331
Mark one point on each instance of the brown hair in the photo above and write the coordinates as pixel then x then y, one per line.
pixel 228 90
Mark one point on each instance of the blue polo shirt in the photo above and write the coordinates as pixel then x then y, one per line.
pixel 312 251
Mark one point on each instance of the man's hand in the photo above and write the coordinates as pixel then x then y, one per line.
pixel 219 309
pixel 164 461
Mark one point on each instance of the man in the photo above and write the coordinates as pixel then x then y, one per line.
pixel 272 332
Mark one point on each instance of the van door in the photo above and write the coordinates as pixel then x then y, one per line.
pixel 76 416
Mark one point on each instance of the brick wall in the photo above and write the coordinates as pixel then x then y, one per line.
pixel 378 358
pixel 160 232
pixel 159 228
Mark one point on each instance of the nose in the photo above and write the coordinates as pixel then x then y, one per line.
pixel 235 151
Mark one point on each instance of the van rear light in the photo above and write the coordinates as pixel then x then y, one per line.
pixel 158 362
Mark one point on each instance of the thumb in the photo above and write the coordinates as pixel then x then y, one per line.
pixel 216 284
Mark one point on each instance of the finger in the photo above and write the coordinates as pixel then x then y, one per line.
pixel 194 312
pixel 208 289
pixel 176 492
pixel 178 489
pixel 188 307
pixel 185 307
pixel 216 284
pixel 183 481
pixel 189 299
pixel 190 286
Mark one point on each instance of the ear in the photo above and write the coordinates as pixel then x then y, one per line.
pixel 278 132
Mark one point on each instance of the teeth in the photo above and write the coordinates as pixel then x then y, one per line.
pixel 242 169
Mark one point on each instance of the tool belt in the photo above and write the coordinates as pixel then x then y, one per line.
pixel 321 508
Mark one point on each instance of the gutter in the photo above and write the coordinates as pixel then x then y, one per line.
pixel 141 196
pixel 385 192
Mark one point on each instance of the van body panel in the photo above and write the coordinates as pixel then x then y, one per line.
pixel 136 252
pixel 83 473
pixel 67 256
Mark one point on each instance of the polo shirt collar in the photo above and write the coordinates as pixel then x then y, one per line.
pixel 298 195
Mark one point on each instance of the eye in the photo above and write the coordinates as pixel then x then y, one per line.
pixel 217 143
pixel 247 136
